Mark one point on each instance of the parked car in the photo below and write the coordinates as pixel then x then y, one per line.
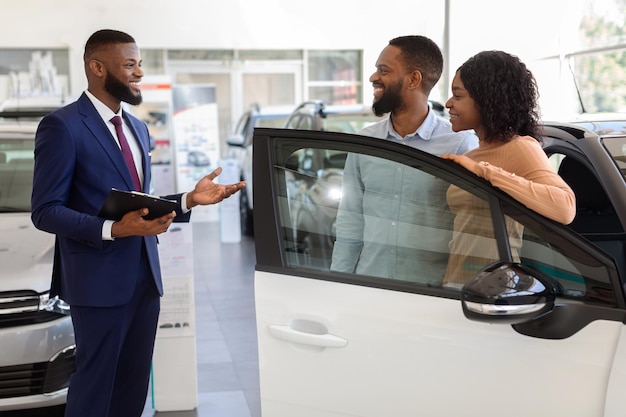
pixel 36 335
pixel 240 148
pixel 315 115
pixel 319 172
pixel 542 336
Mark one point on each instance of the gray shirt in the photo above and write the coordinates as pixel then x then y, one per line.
pixel 393 220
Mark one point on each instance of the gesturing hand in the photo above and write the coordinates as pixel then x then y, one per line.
pixel 207 192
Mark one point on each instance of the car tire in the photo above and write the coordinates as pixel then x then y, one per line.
pixel 247 225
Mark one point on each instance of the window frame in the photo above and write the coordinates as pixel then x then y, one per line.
pixel 272 146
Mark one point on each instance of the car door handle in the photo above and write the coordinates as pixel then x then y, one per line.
pixel 289 334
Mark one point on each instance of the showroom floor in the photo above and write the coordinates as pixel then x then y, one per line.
pixel 227 364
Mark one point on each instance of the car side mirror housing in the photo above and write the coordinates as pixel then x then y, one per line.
pixel 236 140
pixel 508 293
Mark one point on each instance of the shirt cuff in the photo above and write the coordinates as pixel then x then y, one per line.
pixel 106 230
pixel 183 203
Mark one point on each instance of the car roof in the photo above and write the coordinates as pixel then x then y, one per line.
pixel 273 110
pixel 603 124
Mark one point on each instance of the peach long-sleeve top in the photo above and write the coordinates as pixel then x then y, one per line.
pixel 521 169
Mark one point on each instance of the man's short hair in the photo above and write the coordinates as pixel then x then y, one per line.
pixel 420 53
pixel 105 37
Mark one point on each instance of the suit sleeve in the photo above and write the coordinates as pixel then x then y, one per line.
pixel 54 174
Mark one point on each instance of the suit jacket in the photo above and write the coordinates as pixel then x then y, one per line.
pixel 77 162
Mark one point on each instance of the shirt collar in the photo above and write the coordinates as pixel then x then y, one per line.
pixel 424 131
pixel 102 109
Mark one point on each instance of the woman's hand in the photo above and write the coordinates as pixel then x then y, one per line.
pixel 462 160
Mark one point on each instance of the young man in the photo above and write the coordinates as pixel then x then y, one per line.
pixel 108 271
pixel 370 238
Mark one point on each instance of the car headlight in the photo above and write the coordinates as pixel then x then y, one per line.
pixel 53 305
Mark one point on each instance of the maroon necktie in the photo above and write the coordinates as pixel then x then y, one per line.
pixel 128 155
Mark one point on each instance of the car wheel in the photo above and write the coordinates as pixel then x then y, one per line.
pixel 247 226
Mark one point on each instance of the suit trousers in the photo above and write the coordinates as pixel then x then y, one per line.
pixel 114 347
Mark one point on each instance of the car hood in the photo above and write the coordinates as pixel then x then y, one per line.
pixel 26 254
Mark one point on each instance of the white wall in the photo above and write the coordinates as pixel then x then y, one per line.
pixel 529 28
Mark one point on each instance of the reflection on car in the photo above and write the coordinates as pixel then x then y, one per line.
pixel 372 346
pixel 317 174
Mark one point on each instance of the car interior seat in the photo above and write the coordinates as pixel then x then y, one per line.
pixel 596 218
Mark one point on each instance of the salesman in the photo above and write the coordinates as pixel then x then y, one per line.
pixel 108 271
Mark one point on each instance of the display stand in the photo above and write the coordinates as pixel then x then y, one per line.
pixel 174 364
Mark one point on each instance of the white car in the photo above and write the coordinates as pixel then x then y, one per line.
pixel 542 336
pixel 36 335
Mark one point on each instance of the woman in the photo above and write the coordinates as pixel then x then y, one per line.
pixel 494 94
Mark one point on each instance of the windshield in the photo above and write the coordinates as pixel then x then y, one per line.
pixel 16 174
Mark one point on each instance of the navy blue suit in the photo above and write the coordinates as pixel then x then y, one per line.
pixel 77 162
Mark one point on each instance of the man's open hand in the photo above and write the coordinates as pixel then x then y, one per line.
pixel 207 192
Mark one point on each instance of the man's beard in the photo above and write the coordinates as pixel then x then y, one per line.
pixel 121 91
pixel 389 101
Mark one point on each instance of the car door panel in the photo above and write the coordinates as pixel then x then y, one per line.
pixel 617 379
pixel 337 345
pixel 407 354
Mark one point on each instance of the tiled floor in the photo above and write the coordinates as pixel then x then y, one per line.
pixel 227 364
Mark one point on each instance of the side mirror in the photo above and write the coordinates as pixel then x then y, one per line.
pixel 508 293
pixel 236 140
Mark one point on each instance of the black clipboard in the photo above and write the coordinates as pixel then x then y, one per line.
pixel 120 202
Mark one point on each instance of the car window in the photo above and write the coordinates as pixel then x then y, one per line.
pixel 16 174
pixel 397 217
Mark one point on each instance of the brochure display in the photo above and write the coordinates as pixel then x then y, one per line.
pixel 174 364
pixel 156 112
pixel 196 134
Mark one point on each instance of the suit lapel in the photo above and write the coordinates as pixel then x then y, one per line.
pixel 102 135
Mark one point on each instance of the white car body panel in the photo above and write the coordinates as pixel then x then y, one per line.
pixel 369 376
pixel 25 254
pixel 617 380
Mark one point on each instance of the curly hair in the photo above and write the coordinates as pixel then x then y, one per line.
pixel 506 94
pixel 421 54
